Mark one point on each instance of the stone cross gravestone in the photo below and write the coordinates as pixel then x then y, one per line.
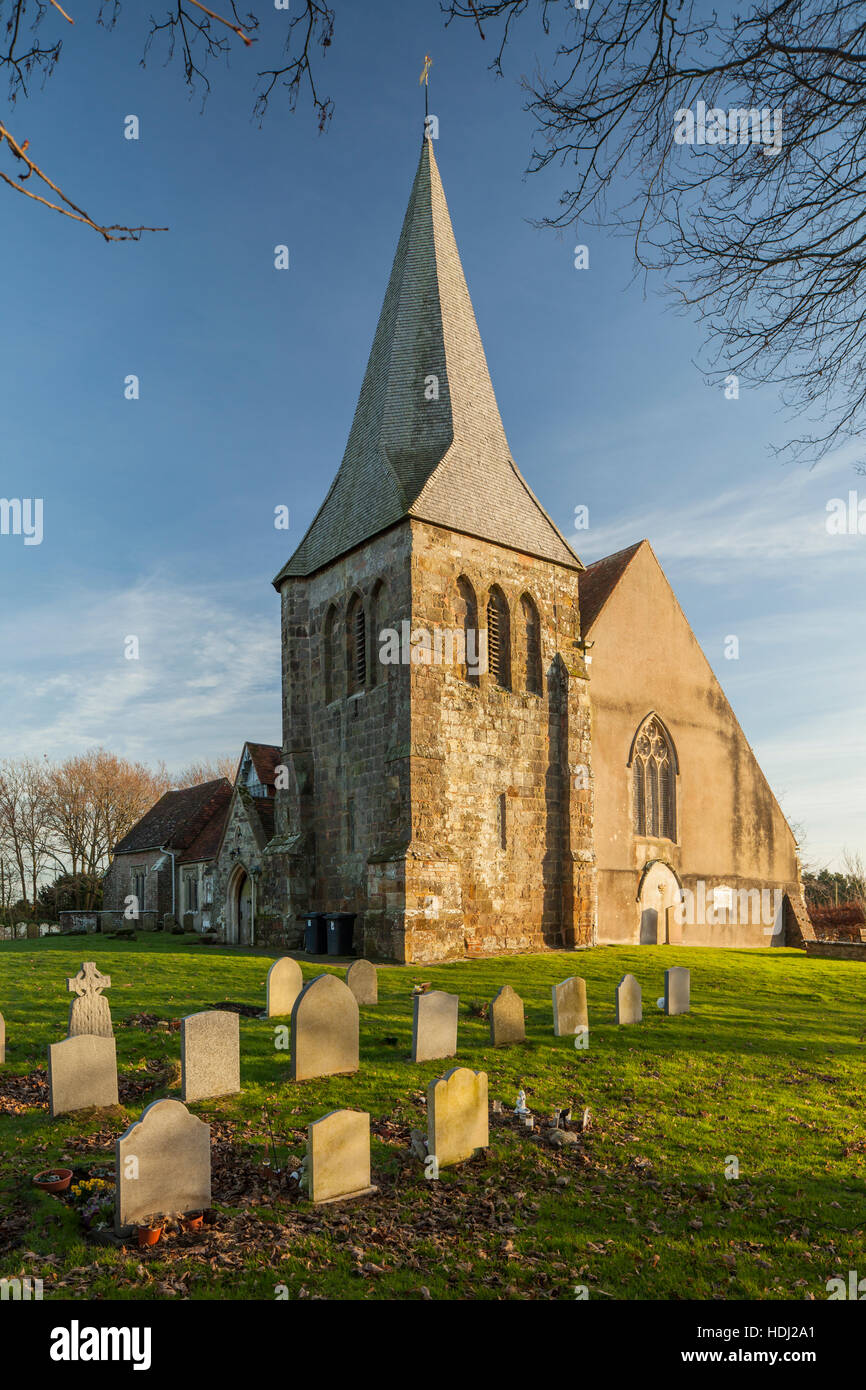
pixel 457 1117
pixel 285 982
pixel 210 1059
pixel 434 1026
pixel 162 1165
pixel 507 1022
pixel 677 990
pixel 338 1156
pixel 325 1029
pixel 628 1000
pixel 363 981
pixel 569 1007
pixel 89 1012
pixel 82 1071
pixel 2 1039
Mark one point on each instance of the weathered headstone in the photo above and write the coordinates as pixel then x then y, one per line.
pixel 162 1165
pixel 570 1013
pixel 338 1156
pixel 284 984
pixel 189 921
pixel 628 1000
pixel 363 981
pixel 325 1029
pixel 82 1071
pixel 457 1118
pixel 507 1021
pixel 32 931
pixel 434 1026
pixel 677 990
pixel 2 1039
pixel 210 1055
pixel 89 1012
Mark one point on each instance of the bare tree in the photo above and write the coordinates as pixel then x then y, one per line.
pixel 207 770
pixel 189 32
pixel 762 235
pixel 25 821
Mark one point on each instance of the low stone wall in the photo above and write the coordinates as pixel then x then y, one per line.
pixel 837 950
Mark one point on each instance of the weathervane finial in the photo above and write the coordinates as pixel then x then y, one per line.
pixel 424 80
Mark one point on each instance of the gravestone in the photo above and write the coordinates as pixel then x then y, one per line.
pixel 628 1000
pixel 32 931
pixel 162 1165
pixel 434 1026
pixel 324 1029
pixel 284 984
pixel 210 1055
pixel 189 921
pixel 677 990
pixel 674 925
pixel 2 1039
pixel 89 1012
pixel 338 1156
pixel 457 1118
pixel 82 1071
pixel 507 1022
pixel 363 981
pixel 570 1013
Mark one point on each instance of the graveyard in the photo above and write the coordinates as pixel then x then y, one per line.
pixel 717 1152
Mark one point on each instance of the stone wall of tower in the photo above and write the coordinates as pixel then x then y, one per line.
pixel 347 756
pixel 467 891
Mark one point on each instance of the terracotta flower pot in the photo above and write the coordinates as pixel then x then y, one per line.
pixel 149 1235
pixel 193 1221
pixel 62 1178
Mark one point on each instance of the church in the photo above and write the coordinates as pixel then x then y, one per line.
pixel 487 747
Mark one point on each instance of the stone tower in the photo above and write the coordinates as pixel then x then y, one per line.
pixel 436 723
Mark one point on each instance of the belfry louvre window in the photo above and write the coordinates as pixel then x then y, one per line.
pixel 356 633
pixel 654 783
pixel 532 639
pixel 498 640
pixel 329 633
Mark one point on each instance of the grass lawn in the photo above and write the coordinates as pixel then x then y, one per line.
pixel 767 1069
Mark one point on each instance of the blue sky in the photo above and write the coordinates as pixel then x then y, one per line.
pixel 158 513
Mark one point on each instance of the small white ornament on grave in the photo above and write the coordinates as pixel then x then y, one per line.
pixel 521 1108
pixel 660 1003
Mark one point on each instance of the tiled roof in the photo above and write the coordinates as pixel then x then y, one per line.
pixel 444 461
pixel 207 841
pixel 598 582
pixel 178 819
pixel 266 758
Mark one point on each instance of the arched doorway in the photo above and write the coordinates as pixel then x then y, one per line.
pixel 240 907
pixel 659 889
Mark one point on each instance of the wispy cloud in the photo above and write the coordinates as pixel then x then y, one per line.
pixel 764 526
pixel 206 677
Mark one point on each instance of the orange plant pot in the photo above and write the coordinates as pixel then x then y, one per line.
pixel 148 1235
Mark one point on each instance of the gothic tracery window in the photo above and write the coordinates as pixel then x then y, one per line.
pixel 654 782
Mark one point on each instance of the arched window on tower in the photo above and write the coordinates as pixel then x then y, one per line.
pixel 356 646
pixel 499 639
pixel 654 781
pixel 532 645
pixel 378 620
pixel 330 667
pixel 467 616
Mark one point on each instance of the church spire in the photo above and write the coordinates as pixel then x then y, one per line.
pixel 427 440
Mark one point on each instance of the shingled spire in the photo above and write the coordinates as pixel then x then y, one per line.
pixel 427 440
